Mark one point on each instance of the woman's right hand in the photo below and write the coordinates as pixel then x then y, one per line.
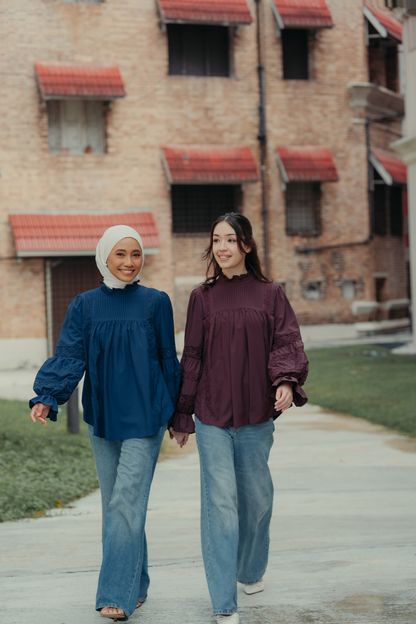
pixel 181 438
pixel 39 412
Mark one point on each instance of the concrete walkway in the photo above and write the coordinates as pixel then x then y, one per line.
pixel 342 538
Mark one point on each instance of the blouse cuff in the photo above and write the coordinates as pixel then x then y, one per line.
pixel 183 423
pixel 299 396
pixel 46 400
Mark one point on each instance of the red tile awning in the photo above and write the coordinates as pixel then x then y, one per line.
pixel 308 163
pixel 390 23
pixel 205 11
pixel 209 164
pixel 42 235
pixel 302 14
pixel 389 166
pixel 81 80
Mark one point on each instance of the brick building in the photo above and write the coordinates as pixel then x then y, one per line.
pixel 147 112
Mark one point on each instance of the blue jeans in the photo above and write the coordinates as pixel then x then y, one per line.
pixel 236 507
pixel 125 471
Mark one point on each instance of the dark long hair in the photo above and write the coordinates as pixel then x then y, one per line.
pixel 242 227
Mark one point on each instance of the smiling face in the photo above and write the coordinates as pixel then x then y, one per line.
pixel 125 259
pixel 226 250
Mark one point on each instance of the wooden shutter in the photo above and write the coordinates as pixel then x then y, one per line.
pixel 94 118
pixel 54 128
pixel 295 54
pixel 73 126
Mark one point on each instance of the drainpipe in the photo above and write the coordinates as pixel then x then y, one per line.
pixel 261 137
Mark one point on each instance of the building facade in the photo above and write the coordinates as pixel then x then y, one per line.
pixel 147 112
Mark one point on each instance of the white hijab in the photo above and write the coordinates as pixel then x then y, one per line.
pixel 106 243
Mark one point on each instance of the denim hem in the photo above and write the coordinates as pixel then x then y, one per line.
pixel 249 582
pixel 224 612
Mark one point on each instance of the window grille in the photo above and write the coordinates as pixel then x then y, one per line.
pixel 303 200
pixel 196 50
pixel 76 126
pixel 196 207
pixel 295 54
pixel 396 211
pixel 70 277
pixel 314 290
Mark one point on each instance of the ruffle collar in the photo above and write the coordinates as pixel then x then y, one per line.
pixel 129 288
pixel 236 279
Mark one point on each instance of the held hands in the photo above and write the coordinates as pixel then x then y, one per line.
pixel 284 397
pixel 181 438
pixel 39 412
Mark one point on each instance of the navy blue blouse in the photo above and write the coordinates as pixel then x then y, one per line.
pixel 124 341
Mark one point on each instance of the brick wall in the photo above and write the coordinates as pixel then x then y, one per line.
pixel 161 109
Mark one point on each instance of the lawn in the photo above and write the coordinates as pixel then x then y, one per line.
pixel 365 381
pixel 40 467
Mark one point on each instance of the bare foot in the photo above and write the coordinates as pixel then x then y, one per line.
pixel 112 612
pixel 139 604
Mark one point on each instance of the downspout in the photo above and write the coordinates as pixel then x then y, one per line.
pixel 262 139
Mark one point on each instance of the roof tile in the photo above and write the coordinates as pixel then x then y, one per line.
pixel 206 11
pixel 393 164
pixel 209 164
pixel 75 232
pixel 307 163
pixel 304 13
pixel 79 80
pixel 390 23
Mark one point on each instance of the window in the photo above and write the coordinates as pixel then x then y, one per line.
pixel 396 211
pixel 380 283
pixel 314 291
pixel 295 54
pixel 303 201
pixel 76 126
pixel 348 289
pixel 380 209
pixel 383 60
pixel 196 50
pixel 195 207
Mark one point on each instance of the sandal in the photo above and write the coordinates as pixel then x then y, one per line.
pixel 114 616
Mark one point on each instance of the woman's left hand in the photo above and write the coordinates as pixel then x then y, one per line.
pixel 284 397
pixel 181 438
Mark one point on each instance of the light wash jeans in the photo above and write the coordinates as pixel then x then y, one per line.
pixel 125 471
pixel 236 507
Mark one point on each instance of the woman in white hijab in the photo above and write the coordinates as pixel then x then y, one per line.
pixel 122 336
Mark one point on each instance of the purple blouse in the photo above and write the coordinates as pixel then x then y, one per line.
pixel 242 340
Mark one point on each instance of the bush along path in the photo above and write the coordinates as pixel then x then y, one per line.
pixel 40 467
pixel 365 381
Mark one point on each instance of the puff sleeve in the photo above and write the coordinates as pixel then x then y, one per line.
pixel 60 374
pixel 287 358
pixel 166 349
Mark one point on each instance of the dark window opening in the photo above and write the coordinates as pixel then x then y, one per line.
pixel 303 202
pixel 380 209
pixel 380 284
pixel 195 208
pixel 295 54
pixel 396 211
pixel 196 50
pixel 383 60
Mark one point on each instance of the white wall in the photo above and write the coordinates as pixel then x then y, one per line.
pixel 22 353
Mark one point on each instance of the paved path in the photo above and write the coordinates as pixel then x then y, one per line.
pixel 342 539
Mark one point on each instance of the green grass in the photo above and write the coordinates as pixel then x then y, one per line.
pixel 365 381
pixel 40 467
